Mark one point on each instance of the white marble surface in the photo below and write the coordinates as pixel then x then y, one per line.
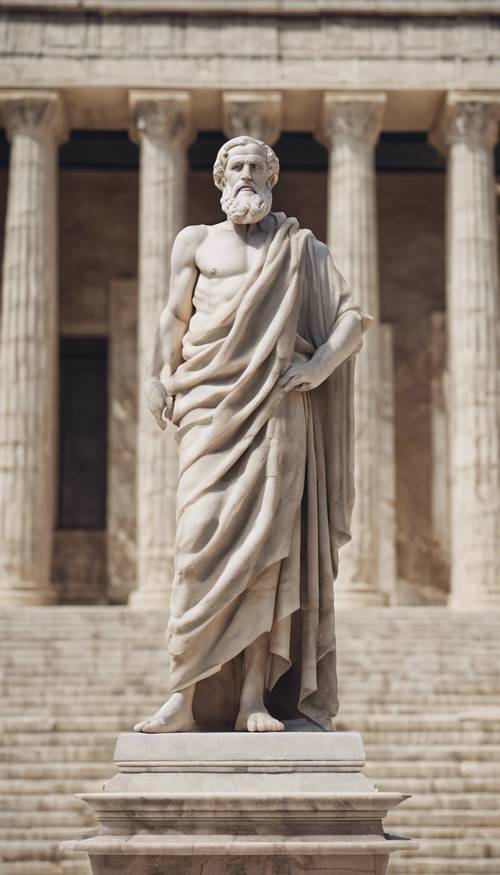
pixel 279 803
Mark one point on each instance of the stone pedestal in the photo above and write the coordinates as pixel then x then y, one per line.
pixel 240 803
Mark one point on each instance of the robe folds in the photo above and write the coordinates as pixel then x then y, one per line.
pixel 266 488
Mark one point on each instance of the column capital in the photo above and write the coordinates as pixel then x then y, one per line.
pixel 257 114
pixel 467 117
pixel 354 117
pixel 37 114
pixel 161 116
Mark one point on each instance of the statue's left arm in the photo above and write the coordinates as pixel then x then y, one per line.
pixel 344 340
pixel 345 336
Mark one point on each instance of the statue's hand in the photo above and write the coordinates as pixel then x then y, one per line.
pixel 159 402
pixel 302 376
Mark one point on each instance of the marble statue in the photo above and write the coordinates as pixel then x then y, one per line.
pixel 253 363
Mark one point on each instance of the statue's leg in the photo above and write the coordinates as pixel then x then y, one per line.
pixel 176 715
pixel 253 716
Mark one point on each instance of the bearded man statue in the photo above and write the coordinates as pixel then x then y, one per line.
pixel 253 364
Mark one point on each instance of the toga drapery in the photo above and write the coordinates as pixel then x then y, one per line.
pixel 265 485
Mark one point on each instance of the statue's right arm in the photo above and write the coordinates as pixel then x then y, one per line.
pixel 166 353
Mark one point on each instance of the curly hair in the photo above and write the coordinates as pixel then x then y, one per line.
pixel 273 164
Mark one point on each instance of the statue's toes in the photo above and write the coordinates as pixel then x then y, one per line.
pixel 154 726
pixel 140 726
pixel 252 725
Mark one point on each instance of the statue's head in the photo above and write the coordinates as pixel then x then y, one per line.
pixel 246 170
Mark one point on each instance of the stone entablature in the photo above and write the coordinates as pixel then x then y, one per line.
pixel 95 59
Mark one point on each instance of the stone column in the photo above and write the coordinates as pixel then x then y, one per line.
pixel 255 114
pixel 467 131
pixel 350 127
pixel 387 568
pixel 29 349
pixel 440 442
pixel 121 504
pixel 162 124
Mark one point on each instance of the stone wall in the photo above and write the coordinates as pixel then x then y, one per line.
pixel 412 282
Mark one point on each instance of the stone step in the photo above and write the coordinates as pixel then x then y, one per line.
pixel 442 833
pixel 456 848
pixel 47 838
pixel 19 787
pixel 457 801
pixel 42 802
pixel 62 867
pixel 409 818
pixel 44 737
pixel 434 770
pixel 60 819
pixel 96 770
pixel 39 853
pixel 84 753
pixel 436 785
pixel 441 753
pixel 482 719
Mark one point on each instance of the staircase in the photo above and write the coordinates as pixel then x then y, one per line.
pixel 421 684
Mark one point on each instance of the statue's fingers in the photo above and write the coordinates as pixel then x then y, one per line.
pixel 286 377
pixel 293 383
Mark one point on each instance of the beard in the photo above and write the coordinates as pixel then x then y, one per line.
pixel 245 208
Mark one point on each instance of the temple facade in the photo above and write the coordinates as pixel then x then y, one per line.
pixel 386 128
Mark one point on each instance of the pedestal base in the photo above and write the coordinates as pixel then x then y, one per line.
pixel 240 804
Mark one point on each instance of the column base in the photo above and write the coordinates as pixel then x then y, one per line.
pixel 27 598
pixel 240 804
pixel 358 595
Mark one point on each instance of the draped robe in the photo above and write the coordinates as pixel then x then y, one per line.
pixel 266 488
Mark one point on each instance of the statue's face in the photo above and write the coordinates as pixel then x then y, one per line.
pixel 247 193
pixel 246 170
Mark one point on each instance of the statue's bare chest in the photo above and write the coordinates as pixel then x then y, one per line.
pixel 225 255
pixel 222 260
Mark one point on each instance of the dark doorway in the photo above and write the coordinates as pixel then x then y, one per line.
pixel 82 434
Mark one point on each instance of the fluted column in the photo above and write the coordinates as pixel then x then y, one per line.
pixel 350 128
pixel 257 114
pixel 467 131
pixel 28 349
pixel 162 124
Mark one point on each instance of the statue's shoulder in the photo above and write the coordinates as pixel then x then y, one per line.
pixel 186 244
pixel 191 234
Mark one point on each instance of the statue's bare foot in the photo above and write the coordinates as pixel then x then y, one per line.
pixel 257 719
pixel 176 715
